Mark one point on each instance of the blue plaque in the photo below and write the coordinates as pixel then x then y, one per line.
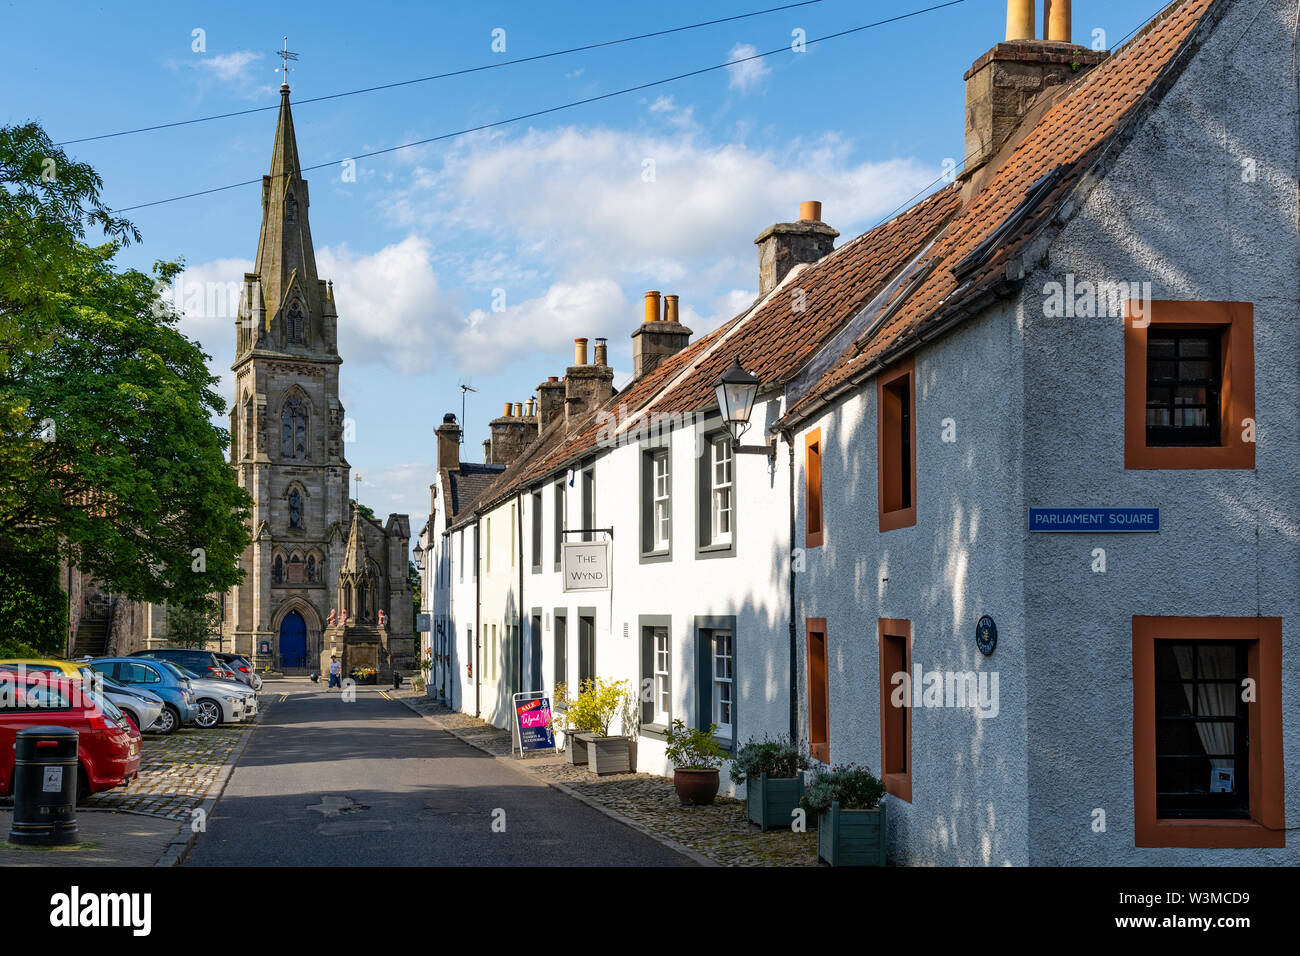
pixel 1095 520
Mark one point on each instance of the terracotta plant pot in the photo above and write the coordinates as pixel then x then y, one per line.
pixel 695 788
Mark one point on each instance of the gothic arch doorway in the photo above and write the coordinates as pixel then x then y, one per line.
pixel 293 640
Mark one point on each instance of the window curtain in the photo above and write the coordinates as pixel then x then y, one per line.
pixel 1211 700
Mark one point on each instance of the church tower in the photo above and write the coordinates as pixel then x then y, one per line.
pixel 286 428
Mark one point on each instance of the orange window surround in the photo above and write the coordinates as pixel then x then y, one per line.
pixel 894 638
pixel 1237 399
pixel 818 691
pixel 814 534
pixel 896 446
pixel 1266 826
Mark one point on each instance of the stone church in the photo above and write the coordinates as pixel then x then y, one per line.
pixel 320 577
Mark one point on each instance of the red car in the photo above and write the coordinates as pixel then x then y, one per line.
pixel 108 747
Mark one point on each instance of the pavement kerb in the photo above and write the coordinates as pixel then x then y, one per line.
pixel 181 845
pixel 681 848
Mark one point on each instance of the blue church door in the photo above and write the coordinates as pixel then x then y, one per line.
pixel 293 641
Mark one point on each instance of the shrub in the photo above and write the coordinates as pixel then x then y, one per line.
pixel 597 704
pixel 694 749
pixel 782 757
pixel 12 648
pixel 853 787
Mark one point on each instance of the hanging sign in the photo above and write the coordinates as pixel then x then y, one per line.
pixel 586 566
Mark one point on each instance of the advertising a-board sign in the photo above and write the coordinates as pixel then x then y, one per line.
pixel 586 566
pixel 533 720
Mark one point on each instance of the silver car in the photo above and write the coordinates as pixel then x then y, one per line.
pixel 215 701
pixel 140 705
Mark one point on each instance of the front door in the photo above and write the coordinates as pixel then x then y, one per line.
pixel 293 641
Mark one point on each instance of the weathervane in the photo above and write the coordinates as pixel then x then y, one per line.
pixel 286 56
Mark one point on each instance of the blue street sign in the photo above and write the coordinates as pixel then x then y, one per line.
pixel 1094 519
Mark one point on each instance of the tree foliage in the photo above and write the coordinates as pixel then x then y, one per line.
pixel 108 451
pixel 33 606
pixel 193 626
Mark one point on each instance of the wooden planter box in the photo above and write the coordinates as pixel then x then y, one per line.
pixel 360 679
pixel 771 801
pixel 575 748
pixel 852 837
pixel 609 754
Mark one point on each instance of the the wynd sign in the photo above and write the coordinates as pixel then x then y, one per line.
pixel 1094 519
pixel 586 566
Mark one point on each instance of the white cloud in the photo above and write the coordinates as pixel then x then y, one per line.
pixel 397 488
pixel 230 67
pixel 240 72
pixel 747 75
pixel 389 303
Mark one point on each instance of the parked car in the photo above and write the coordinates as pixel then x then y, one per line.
pixel 157 677
pixel 243 669
pixel 200 662
pixel 216 701
pixel 140 706
pixel 108 747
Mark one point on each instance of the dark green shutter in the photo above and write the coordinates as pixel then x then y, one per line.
pixel 703 678
pixel 647 673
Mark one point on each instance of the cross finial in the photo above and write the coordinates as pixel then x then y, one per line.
pixel 285 55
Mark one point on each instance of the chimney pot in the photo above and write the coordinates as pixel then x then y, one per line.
pixel 579 351
pixel 487 451
pixel 528 408
pixel 519 409
pixel 1020 20
pixel 810 211
pixel 1057 15
pixel 670 308
pixel 506 413
pixel 602 352
pixel 552 378
pixel 652 307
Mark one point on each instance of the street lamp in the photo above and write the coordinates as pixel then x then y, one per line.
pixel 418 554
pixel 736 391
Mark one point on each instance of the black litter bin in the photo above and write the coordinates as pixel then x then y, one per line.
pixel 45 787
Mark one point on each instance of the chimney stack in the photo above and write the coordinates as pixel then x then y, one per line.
pixel 448 443
pixel 586 387
pixel 509 434
pixel 784 245
pixel 658 336
pixel 1006 82
pixel 550 402
pixel 487 451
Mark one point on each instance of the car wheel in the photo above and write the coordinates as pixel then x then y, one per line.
pixel 257 682
pixel 209 713
pixel 167 721
pixel 135 721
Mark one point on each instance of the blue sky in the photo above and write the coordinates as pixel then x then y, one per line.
pixel 560 214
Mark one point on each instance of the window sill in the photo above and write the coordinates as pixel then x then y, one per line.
pixel 899 785
pixel 654 731
pixel 654 557
pixel 900 518
pixel 716 550
pixel 1208 834
pixel 537 569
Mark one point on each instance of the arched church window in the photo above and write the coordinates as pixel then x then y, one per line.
pixel 295 509
pixel 295 323
pixel 277 570
pixel 293 429
pixel 311 569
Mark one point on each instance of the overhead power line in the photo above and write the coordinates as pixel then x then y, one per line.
pixel 443 76
pixel 555 109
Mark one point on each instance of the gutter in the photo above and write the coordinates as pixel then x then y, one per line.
pixel 519 546
pixel 788 437
pixel 478 616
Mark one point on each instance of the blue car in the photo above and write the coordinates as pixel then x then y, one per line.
pixel 179 707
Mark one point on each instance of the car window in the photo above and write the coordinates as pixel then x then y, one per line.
pixel 178 671
pixel 41 697
pixel 107 668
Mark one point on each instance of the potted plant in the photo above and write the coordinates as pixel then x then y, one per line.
pixel 695 755
pixel 364 675
pixel 575 750
pixel 590 714
pixel 850 818
pixel 772 771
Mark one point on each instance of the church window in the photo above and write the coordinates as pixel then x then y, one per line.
pixel 295 509
pixel 295 323
pixel 277 570
pixel 293 429
pixel 311 569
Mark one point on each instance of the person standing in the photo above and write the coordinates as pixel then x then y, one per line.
pixel 336 671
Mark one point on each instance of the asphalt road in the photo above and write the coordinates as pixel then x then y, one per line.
pixel 323 782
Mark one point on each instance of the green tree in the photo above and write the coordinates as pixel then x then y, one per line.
pixel 413 577
pixel 108 452
pixel 193 626
pixel 33 606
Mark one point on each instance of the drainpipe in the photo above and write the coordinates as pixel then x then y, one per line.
pixel 519 546
pixel 478 614
pixel 794 642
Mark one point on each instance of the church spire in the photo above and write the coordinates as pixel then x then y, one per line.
pixel 287 307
